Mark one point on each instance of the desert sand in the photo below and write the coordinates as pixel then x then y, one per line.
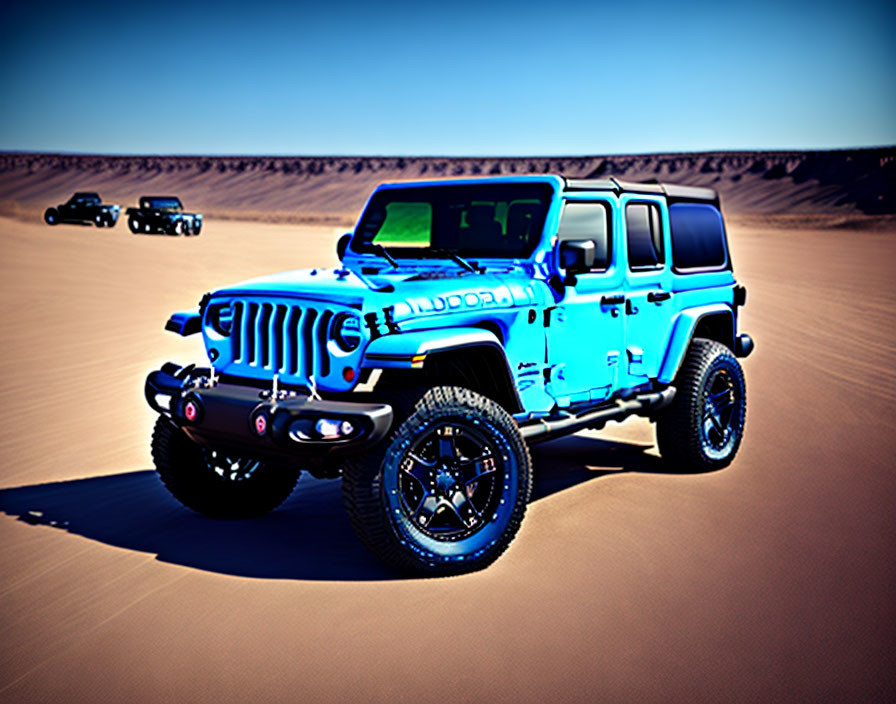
pixel 771 580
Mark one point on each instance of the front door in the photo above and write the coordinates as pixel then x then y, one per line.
pixel 585 329
pixel 648 310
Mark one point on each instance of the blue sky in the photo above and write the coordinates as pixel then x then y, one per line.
pixel 453 78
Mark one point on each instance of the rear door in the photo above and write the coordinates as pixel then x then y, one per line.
pixel 585 329
pixel 648 286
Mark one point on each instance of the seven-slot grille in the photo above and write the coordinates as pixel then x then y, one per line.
pixel 284 339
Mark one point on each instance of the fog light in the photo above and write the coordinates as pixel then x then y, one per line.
pixel 261 424
pixel 191 411
pixel 330 429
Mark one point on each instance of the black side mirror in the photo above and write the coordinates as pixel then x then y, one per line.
pixel 576 256
pixel 342 245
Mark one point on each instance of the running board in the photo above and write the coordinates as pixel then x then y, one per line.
pixel 643 404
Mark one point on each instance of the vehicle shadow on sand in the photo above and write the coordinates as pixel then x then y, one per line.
pixel 309 537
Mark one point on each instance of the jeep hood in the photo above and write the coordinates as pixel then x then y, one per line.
pixel 411 292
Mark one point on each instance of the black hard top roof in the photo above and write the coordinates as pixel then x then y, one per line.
pixel 86 194
pixel 672 191
pixel 159 198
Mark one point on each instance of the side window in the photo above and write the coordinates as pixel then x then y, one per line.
pixel 698 237
pixel 644 235
pixel 582 220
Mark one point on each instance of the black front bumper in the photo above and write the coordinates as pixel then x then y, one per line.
pixel 249 419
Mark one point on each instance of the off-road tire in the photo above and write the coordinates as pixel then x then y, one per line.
pixel 183 469
pixel 100 221
pixel 135 225
pixel 176 228
pixel 685 443
pixel 51 216
pixel 371 484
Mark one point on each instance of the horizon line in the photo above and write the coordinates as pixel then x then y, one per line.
pixel 236 155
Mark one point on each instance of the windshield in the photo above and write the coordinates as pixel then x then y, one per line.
pixel 162 204
pixel 85 198
pixel 502 220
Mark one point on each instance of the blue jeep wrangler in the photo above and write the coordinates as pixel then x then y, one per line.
pixel 469 318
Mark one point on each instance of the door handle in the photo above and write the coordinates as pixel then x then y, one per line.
pixel 657 296
pixel 614 300
pixel 630 308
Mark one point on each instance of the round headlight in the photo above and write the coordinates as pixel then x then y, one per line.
pixel 346 332
pixel 220 317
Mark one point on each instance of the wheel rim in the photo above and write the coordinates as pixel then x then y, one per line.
pixel 229 467
pixel 721 411
pixel 450 482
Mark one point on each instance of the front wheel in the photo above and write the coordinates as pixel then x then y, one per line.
pixel 214 482
pixel 701 430
pixel 448 489
pixel 176 227
pixel 51 216
pixel 134 224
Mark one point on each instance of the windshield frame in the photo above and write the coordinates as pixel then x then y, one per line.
pixel 467 191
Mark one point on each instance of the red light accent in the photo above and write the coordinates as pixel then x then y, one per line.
pixel 261 424
pixel 348 374
pixel 191 411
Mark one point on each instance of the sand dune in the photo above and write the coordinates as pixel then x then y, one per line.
pixel 771 580
pixel 334 189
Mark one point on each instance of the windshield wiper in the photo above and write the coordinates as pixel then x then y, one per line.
pixel 457 259
pixel 384 253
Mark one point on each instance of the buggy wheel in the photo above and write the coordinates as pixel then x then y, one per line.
pixel 134 225
pixel 446 492
pixel 51 216
pixel 701 430
pixel 215 482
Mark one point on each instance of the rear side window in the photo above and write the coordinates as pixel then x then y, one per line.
pixel 644 235
pixel 588 221
pixel 698 237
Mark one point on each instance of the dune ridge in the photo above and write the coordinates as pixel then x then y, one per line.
pixel 334 188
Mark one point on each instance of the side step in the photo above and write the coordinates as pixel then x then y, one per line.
pixel 548 428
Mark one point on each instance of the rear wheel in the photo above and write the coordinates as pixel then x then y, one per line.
pixel 135 225
pixel 176 227
pixel 51 216
pixel 100 220
pixel 214 482
pixel 446 492
pixel 701 430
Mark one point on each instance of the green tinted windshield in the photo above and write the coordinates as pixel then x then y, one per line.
pixel 478 220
